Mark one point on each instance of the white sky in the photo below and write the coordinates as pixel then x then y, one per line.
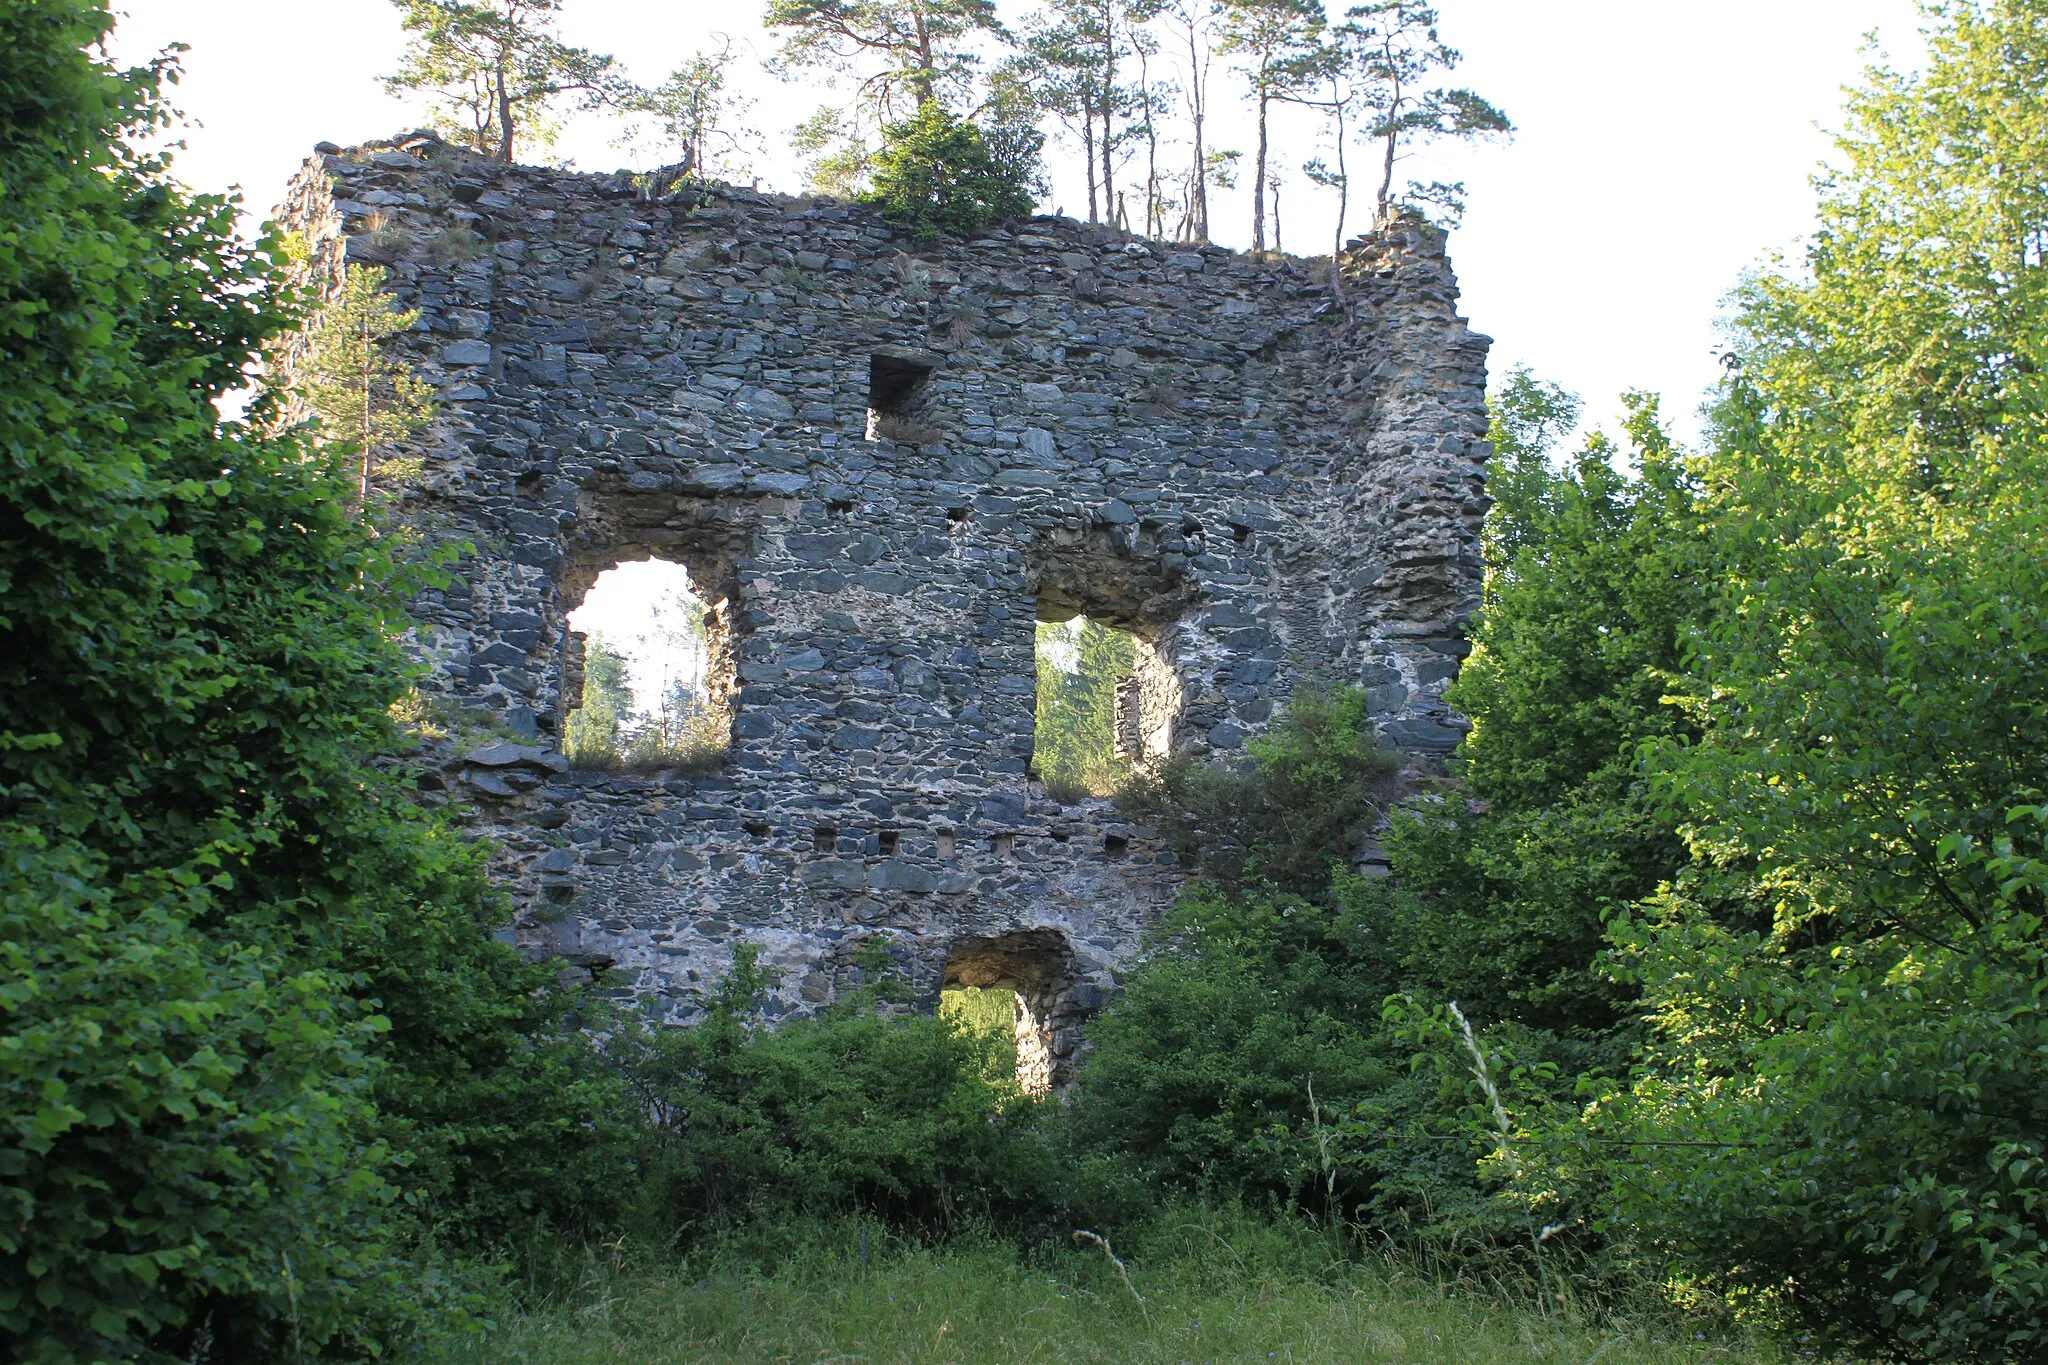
pixel 639 607
pixel 1663 147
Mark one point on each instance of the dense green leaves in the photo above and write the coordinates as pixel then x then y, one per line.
pixel 1847 981
pixel 854 1110
pixel 936 173
pixel 247 995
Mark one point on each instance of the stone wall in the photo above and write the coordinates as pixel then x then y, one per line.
pixel 886 461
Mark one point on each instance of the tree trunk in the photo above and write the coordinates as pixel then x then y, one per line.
pixel 1343 200
pixel 1088 156
pixel 1198 192
pixel 922 84
pixel 1259 177
pixel 1108 109
pixel 504 118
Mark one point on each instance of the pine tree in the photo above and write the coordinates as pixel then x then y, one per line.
pixel 499 69
pixel 363 394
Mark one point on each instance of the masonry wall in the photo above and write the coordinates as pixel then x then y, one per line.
pixel 1261 479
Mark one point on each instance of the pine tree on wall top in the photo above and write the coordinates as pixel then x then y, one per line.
pixel 497 68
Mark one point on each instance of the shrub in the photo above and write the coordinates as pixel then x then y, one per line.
pixel 936 173
pixel 1299 805
pixel 860 1108
pixel 247 994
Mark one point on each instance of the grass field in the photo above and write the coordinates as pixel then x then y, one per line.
pixel 1241 1292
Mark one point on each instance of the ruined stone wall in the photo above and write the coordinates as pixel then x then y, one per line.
pixel 887 461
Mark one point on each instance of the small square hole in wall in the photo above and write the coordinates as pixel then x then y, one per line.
pixel 1003 845
pixel 824 839
pixel 756 829
pixel 944 839
pixel 897 390
pixel 887 842
pixel 839 510
pixel 1240 534
pixel 959 516
pixel 1115 845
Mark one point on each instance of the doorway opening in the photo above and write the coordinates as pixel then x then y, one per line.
pixel 1025 973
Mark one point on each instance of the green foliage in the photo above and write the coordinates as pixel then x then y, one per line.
pixel 699 113
pixel 363 395
pixel 857 1109
pixel 936 173
pixel 592 737
pixel 922 44
pixel 248 995
pixel 1847 982
pixel 1593 578
pixel 1389 48
pixel 1074 735
pixel 498 69
pixel 1308 793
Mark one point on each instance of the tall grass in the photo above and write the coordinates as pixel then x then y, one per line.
pixel 1198 1285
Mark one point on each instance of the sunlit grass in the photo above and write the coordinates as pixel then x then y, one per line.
pixel 1234 1291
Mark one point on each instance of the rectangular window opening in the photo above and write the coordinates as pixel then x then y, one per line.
pixel 1003 845
pixel 944 839
pixel 824 839
pixel 755 829
pixel 887 842
pixel 897 397
pixel 1115 845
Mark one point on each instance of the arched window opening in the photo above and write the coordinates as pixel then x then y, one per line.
pixel 649 697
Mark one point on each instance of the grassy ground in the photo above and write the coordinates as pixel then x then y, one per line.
pixel 1251 1295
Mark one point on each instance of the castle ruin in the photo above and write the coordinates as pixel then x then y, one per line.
pixel 884 462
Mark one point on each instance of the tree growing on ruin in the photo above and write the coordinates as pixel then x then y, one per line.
pixel 700 113
pixel 1278 47
pixel 496 72
pixel 937 173
pixel 1192 24
pixel 1074 59
pixel 922 47
pixel 363 393
pixel 1391 47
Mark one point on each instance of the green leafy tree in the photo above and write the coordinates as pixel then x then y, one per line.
pixel 1072 63
pixel 1847 980
pixel 364 395
pixel 908 53
pixel 248 996
pixel 498 69
pixel 1278 44
pixel 1391 47
pixel 593 735
pixel 836 154
pixel 1591 587
pixel 1074 737
pixel 937 173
